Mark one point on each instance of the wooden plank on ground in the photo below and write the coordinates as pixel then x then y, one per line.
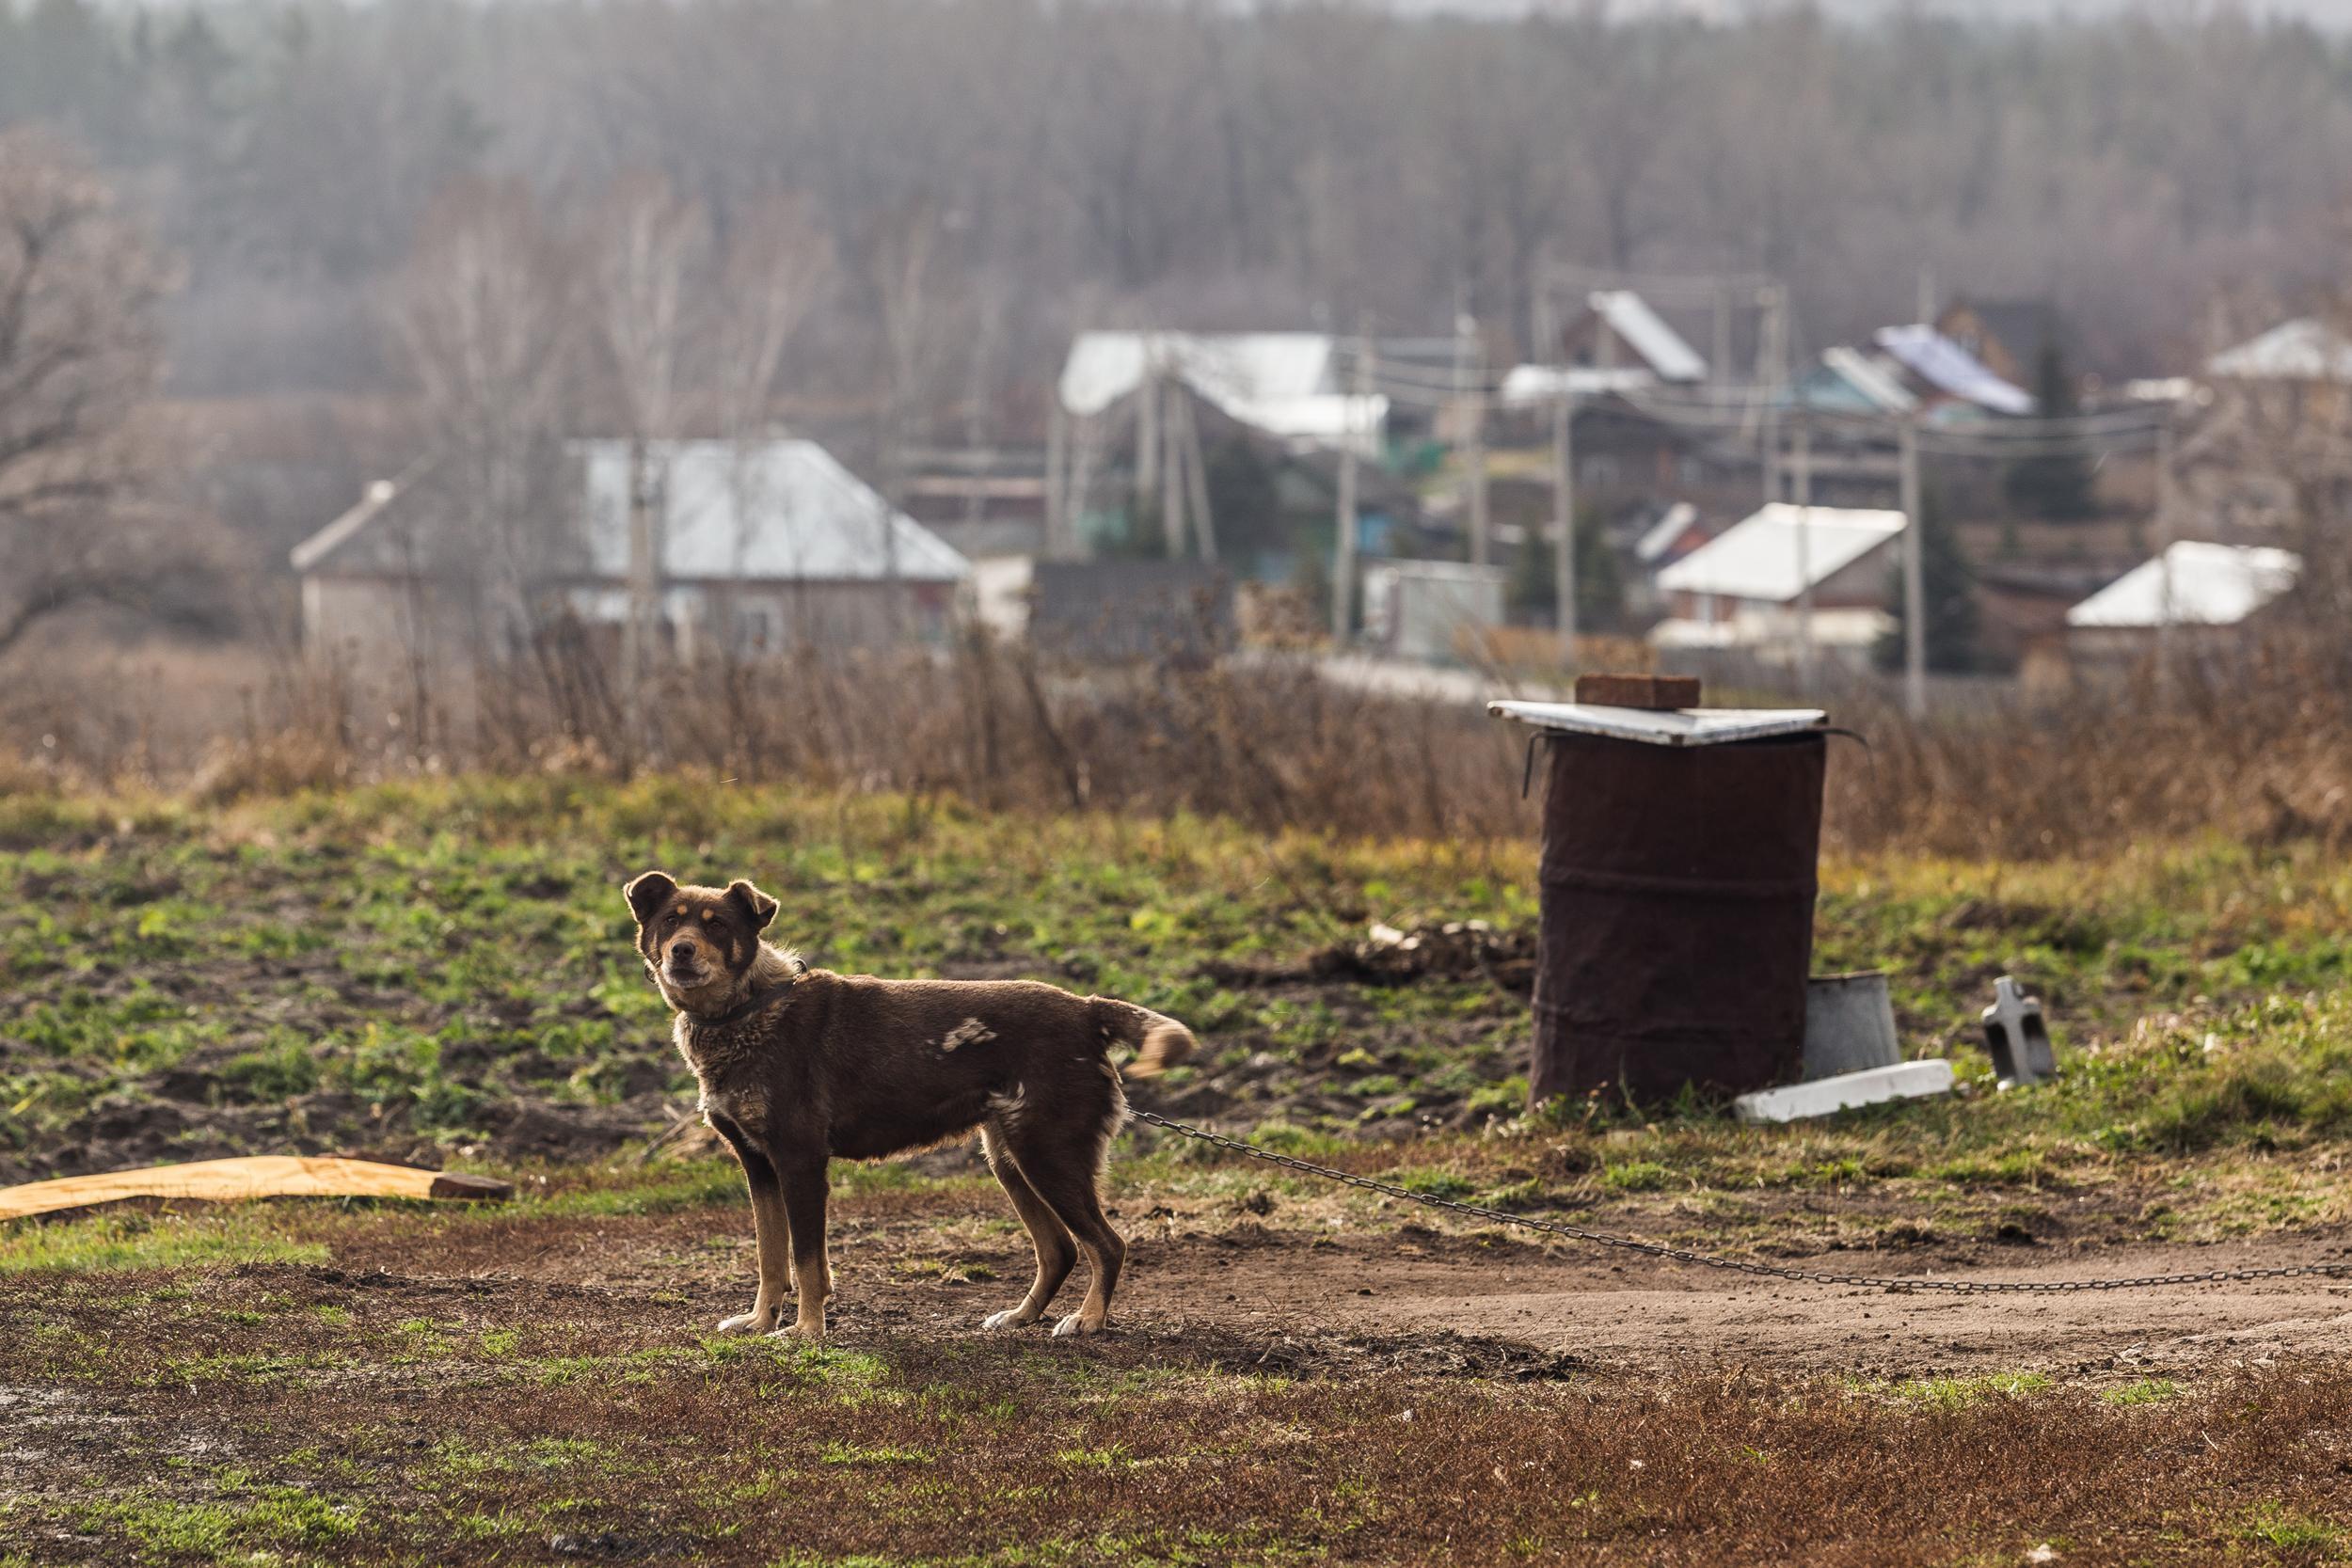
pixel 250 1177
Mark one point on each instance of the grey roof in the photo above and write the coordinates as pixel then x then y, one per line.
pixel 2192 583
pixel 2305 348
pixel 1949 367
pixel 802 518
pixel 758 511
pixel 1660 346
pixel 1779 550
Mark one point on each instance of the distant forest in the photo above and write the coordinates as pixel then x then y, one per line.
pixel 1080 163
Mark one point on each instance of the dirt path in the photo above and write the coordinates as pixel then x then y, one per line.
pixel 1570 1307
pixel 1642 1316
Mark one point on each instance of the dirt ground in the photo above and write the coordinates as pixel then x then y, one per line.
pixel 1322 1383
pixel 937 1263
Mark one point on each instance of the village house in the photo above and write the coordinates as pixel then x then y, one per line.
pixel 760 546
pixel 2297 373
pixel 2008 336
pixel 1745 591
pixel 2206 596
pixel 1949 383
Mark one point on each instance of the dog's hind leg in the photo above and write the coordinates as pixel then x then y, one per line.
pixel 1064 1170
pixel 1055 1253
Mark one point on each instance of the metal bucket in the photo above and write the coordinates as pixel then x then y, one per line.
pixel 1849 1025
pixel 1678 915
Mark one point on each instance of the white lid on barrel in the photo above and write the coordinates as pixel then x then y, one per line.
pixel 1689 726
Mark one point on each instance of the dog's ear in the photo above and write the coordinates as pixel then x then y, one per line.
pixel 761 907
pixel 649 893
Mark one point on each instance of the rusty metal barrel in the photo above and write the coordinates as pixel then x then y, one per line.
pixel 1678 875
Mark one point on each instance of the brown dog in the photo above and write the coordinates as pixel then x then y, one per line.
pixel 800 1064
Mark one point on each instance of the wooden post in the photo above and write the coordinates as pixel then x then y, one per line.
pixel 2163 543
pixel 1172 472
pixel 1915 577
pixel 1148 427
pixel 1564 516
pixel 1056 456
pixel 1769 358
pixel 1197 481
pixel 1345 520
pixel 1470 377
pixel 1804 553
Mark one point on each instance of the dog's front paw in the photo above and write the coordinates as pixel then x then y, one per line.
pixel 1078 1322
pixel 754 1322
pixel 805 1329
pixel 1011 1317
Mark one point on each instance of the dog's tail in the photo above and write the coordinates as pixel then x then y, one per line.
pixel 1160 1041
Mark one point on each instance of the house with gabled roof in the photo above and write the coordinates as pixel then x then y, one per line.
pixel 1746 591
pixel 759 547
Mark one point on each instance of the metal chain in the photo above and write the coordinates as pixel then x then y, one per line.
pixel 1737 1265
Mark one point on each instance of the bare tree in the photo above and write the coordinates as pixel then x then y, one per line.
pixel 648 247
pixel 80 353
pixel 775 265
pixel 483 316
pixel 911 299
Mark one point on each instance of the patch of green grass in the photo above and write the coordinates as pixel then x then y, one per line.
pixel 2277 1526
pixel 947 1271
pixel 2147 1390
pixel 108 1241
pixel 1638 1176
pixel 847 1453
pixel 1959 1393
pixel 1436 1183
pixel 244 1518
pixel 471 928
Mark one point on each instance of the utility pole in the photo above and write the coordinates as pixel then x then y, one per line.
pixel 1718 371
pixel 1770 365
pixel 2163 543
pixel 1914 577
pixel 1927 293
pixel 1172 521
pixel 1469 373
pixel 1345 521
pixel 1197 481
pixel 1564 516
pixel 1148 427
pixel 1804 553
pixel 1056 456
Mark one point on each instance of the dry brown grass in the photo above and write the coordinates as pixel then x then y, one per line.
pixel 203 1415
pixel 2261 756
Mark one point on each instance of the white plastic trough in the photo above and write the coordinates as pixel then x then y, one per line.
pixel 1823 1097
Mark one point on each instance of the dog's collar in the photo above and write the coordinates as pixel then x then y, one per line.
pixel 758 1001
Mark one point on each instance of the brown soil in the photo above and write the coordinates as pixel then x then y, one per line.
pixel 1485 1303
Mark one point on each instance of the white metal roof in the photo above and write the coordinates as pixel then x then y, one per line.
pixel 803 516
pixel 1533 383
pixel 2191 584
pixel 2306 349
pixel 1761 557
pixel 1279 382
pixel 1660 536
pixel 1870 377
pixel 1951 369
pixel 1694 727
pixel 1660 346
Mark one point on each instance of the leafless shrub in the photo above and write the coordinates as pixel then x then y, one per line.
pixel 81 349
pixel 2262 758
